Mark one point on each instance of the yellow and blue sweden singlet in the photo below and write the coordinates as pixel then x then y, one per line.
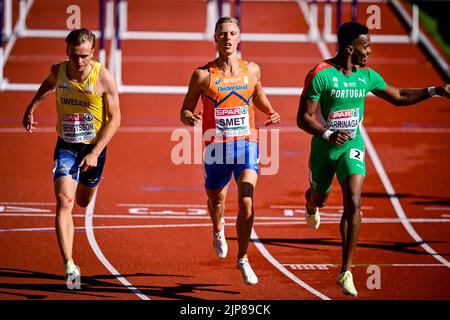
pixel 81 116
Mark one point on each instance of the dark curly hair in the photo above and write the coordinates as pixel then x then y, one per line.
pixel 350 31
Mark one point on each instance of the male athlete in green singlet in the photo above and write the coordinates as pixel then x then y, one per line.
pixel 332 109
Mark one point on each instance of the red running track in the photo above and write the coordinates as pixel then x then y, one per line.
pixel 149 219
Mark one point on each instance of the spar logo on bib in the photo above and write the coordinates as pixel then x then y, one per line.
pixel 344 120
pixel 227 112
pixel 233 121
pixel 75 117
pixel 350 113
pixel 77 127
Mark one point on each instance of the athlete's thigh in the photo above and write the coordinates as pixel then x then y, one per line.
pixel 322 167
pixel 246 160
pixel 216 170
pixel 91 178
pixel 66 163
pixel 351 162
pixel 218 195
pixel 65 188
pixel 85 194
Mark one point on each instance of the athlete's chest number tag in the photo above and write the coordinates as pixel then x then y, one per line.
pixel 232 121
pixel 344 120
pixel 77 127
pixel 357 154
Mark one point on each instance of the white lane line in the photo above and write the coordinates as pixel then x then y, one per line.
pixel 98 252
pixel 9 208
pixel 303 206
pixel 161 205
pixel 408 130
pixel 29 203
pixel 298 221
pixel 142 216
pixel 412 265
pixel 279 266
pixel 325 266
pixel 326 218
pixel 147 226
pixel 395 200
pixel 33 229
pixel 437 208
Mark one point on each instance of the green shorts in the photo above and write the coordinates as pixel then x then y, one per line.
pixel 327 159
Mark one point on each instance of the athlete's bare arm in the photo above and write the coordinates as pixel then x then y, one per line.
pixel 306 121
pixel 107 88
pixel 46 87
pixel 406 96
pixel 199 82
pixel 259 97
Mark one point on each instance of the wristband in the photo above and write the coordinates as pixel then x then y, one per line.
pixel 432 91
pixel 326 135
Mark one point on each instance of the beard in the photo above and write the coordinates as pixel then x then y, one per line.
pixel 360 61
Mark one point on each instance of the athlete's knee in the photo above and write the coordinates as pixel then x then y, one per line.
pixel 318 198
pixel 84 195
pixel 83 202
pixel 216 205
pixel 246 191
pixel 64 200
pixel 352 204
pixel 351 189
pixel 354 196
pixel 245 203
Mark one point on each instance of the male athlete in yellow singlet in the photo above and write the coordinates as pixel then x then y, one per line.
pixel 88 116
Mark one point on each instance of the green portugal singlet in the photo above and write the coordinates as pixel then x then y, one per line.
pixel 341 107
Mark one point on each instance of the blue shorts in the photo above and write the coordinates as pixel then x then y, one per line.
pixel 223 159
pixel 67 158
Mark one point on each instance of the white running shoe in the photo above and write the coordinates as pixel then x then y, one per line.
pixel 249 276
pixel 345 280
pixel 313 220
pixel 72 271
pixel 220 243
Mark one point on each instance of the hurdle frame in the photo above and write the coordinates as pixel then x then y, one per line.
pixel 118 32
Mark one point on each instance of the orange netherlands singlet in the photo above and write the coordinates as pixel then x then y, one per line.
pixel 228 110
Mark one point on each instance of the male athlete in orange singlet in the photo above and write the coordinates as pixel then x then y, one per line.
pixel 230 89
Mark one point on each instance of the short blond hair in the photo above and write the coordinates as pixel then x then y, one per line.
pixel 78 36
pixel 223 20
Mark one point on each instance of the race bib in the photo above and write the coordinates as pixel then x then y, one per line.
pixel 77 127
pixel 344 120
pixel 232 121
pixel 356 154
